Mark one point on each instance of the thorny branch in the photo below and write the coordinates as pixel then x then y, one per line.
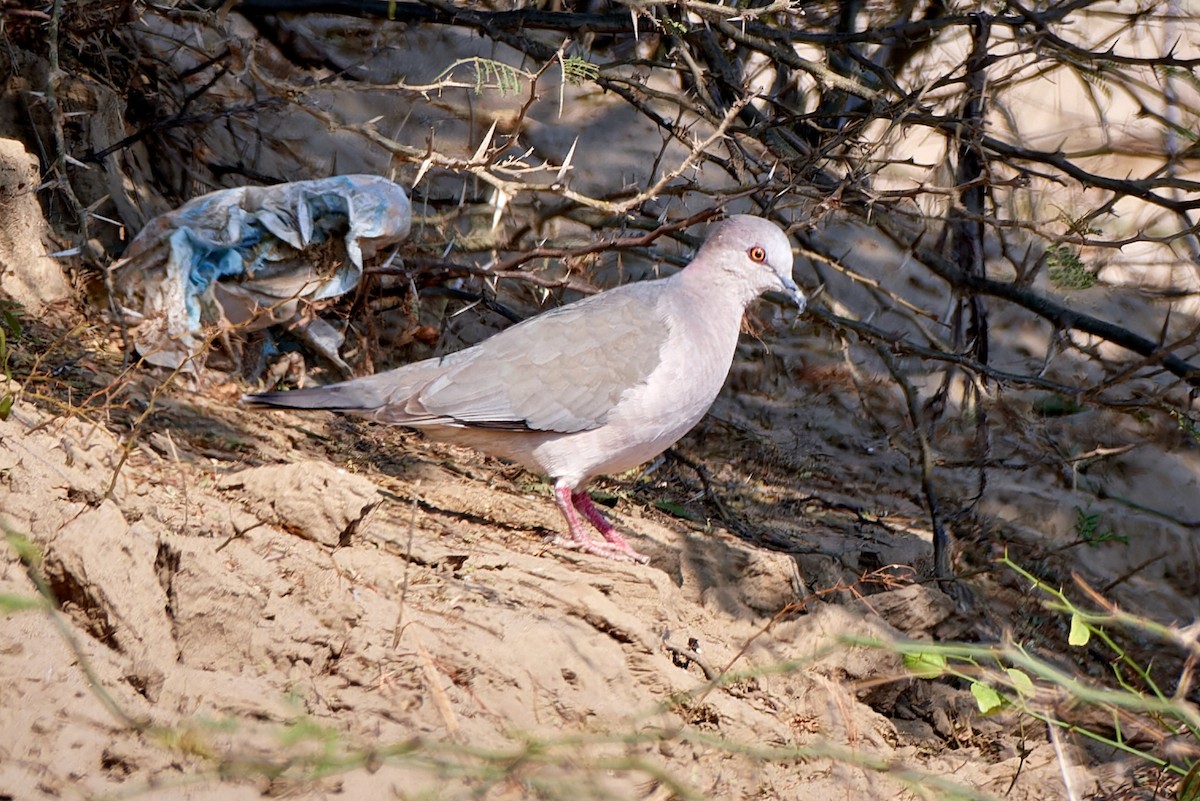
pixel 822 115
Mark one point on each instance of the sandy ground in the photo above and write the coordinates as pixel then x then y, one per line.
pixel 273 604
pixel 313 623
pixel 310 607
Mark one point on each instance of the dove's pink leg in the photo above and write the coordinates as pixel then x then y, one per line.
pixel 615 548
pixel 583 502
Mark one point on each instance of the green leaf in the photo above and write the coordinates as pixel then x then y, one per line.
pixel 603 498
pixel 1056 406
pixel 1021 682
pixel 925 666
pixel 678 510
pixel 1080 633
pixel 6 404
pixel 1187 425
pixel 1189 788
pixel 986 697
pixel 672 27
pixel 27 552
pixel 12 322
pixel 18 603
pixel 1087 527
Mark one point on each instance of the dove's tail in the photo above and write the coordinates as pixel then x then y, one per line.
pixel 383 395
pixel 333 398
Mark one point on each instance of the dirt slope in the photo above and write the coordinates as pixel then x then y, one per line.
pixel 307 607
pixel 406 632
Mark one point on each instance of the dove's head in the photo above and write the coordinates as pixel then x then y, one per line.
pixel 757 252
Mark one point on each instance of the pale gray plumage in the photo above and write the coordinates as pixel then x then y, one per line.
pixel 598 386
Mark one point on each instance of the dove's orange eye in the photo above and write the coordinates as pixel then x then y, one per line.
pixel 757 254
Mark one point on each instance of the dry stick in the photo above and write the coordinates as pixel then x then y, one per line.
pixel 966 236
pixel 1062 317
pixel 521 19
pixel 1046 37
pixel 728 78
pixel 481 165
pixel 688 655
pixel 762 38
pixel 729 520
pixel 539 51
pixel 438 270
pixel 178 120
pixel 877 576
pixel 507 268
pixel 789 57
pixel 441 700
pixel 56 116
pixel 1139 188
pixel 625 90
pixel 621 243
pixel 874 334
pixel 131 439
pixel 1064 769
pixel 941 540
pixel 238 533
pixel 1131 572
pixel 412 528
pixel 621 22
pixel 698 149
pixel 1147 361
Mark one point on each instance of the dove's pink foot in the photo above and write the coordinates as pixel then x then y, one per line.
pixel 571 504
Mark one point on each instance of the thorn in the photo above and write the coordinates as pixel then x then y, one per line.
pixel 486 143
pixel 501 201
pixel 566 165
pixel 424 168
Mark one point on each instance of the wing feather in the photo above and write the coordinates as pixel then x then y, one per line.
pixel 560 371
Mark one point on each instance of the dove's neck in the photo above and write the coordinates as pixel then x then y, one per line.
pixel 708 304
pixel 717 289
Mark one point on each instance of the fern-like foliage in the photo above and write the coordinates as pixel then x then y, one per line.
pixel 1186 424
pixel 491 74
pixel 672 27
pixel 1066 270
pixel 1098 77
pixel 576 70
pixel 1188 76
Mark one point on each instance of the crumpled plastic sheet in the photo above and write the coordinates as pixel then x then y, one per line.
pixel 253 257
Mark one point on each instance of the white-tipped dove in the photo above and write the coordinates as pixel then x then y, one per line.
pixel 598 386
